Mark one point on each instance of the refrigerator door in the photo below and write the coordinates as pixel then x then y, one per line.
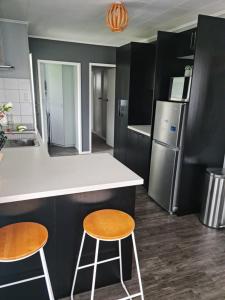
pixel 162 175
pixel 168 122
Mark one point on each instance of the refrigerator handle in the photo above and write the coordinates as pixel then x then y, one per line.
pixel 165 145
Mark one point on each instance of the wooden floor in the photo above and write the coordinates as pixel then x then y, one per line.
pixel 61 151
pixel 99 145
pixel 179 257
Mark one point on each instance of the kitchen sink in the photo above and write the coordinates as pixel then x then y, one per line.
pixel 21 143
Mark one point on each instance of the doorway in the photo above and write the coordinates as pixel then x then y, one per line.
pixel 59 85
pixel 102 107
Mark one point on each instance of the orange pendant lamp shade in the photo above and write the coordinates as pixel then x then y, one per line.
pixel 117 17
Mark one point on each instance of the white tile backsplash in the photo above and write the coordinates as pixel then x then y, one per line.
pixel 27 120
pixel 1 83
pixel 17 119
pixel 2 95
pixel 11 83
pixel 12 96
pixel 18 91
pixel 16 109
pixel 24 84
pixel 26 109
pixel 25 96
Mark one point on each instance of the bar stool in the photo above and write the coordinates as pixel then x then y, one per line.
pixel 108 225
pixel 21 240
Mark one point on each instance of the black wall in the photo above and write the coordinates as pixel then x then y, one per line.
pixel 71 52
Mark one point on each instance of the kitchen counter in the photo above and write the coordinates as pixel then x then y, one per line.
pixel 30 173
pixel 59 192
pixel 143 129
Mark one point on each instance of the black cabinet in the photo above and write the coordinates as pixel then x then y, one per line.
pixel 204 143
pixel 121 104
pixel 203 137
pixel 185 43
pixel 138 154
pixel 134 94
pixel 142 68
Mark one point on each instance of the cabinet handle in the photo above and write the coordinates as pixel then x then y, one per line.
pixel 191 42
pixel 106 100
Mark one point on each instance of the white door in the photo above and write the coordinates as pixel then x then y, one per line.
pixel 98 104
pixel 55 101
pixel 111 73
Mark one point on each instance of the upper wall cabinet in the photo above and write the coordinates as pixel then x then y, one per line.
pixel 185 43
pixel 142 67
pixel 14 50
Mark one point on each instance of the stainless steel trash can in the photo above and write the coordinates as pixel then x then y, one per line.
pixel 213 205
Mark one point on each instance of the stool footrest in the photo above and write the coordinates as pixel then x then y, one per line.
pixel 99 262
pixel 131 296
pixel 21 281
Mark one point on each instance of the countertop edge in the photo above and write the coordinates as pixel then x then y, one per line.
pixel 62 192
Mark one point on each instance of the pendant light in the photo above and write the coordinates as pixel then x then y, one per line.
pixel 117 17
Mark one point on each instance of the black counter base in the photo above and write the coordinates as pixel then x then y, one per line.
pixel 63 217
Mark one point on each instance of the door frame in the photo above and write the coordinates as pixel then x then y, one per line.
pixel 91 65
pixel 32 91
pixel 79 115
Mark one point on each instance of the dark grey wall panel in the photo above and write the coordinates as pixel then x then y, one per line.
pixel 72 52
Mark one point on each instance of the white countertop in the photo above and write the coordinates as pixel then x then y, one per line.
pixel 29 173
pixel 143 129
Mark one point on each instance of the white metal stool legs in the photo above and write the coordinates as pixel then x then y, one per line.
pixel 45 275
pixel 96 263
pixel 95 270
pixel 137 266
pixel 47 278
pixel 77 265
pixel 121 270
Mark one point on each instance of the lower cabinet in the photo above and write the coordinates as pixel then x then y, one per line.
pixel 138 154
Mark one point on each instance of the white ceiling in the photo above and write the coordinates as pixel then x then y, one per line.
pixel 84 20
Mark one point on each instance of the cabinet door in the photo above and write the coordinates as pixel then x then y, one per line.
pixel 185 43
pixel 132 153
pixel 143 151
pixel 121 107
pixel 138 154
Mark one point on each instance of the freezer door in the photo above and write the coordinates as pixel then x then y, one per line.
pixel 168 122
pixel 162 175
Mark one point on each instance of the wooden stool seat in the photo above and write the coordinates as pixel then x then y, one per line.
pixel 21 240
pixel 109 224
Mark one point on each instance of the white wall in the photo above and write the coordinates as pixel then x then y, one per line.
pixel 111 73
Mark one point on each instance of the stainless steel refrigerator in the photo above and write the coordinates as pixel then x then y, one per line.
pixel 167 153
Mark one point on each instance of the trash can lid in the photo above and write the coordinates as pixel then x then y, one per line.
pixel 216 172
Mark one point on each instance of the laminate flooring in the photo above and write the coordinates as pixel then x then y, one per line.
pixel 179 257
pixel 61 151
pixel 99 145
